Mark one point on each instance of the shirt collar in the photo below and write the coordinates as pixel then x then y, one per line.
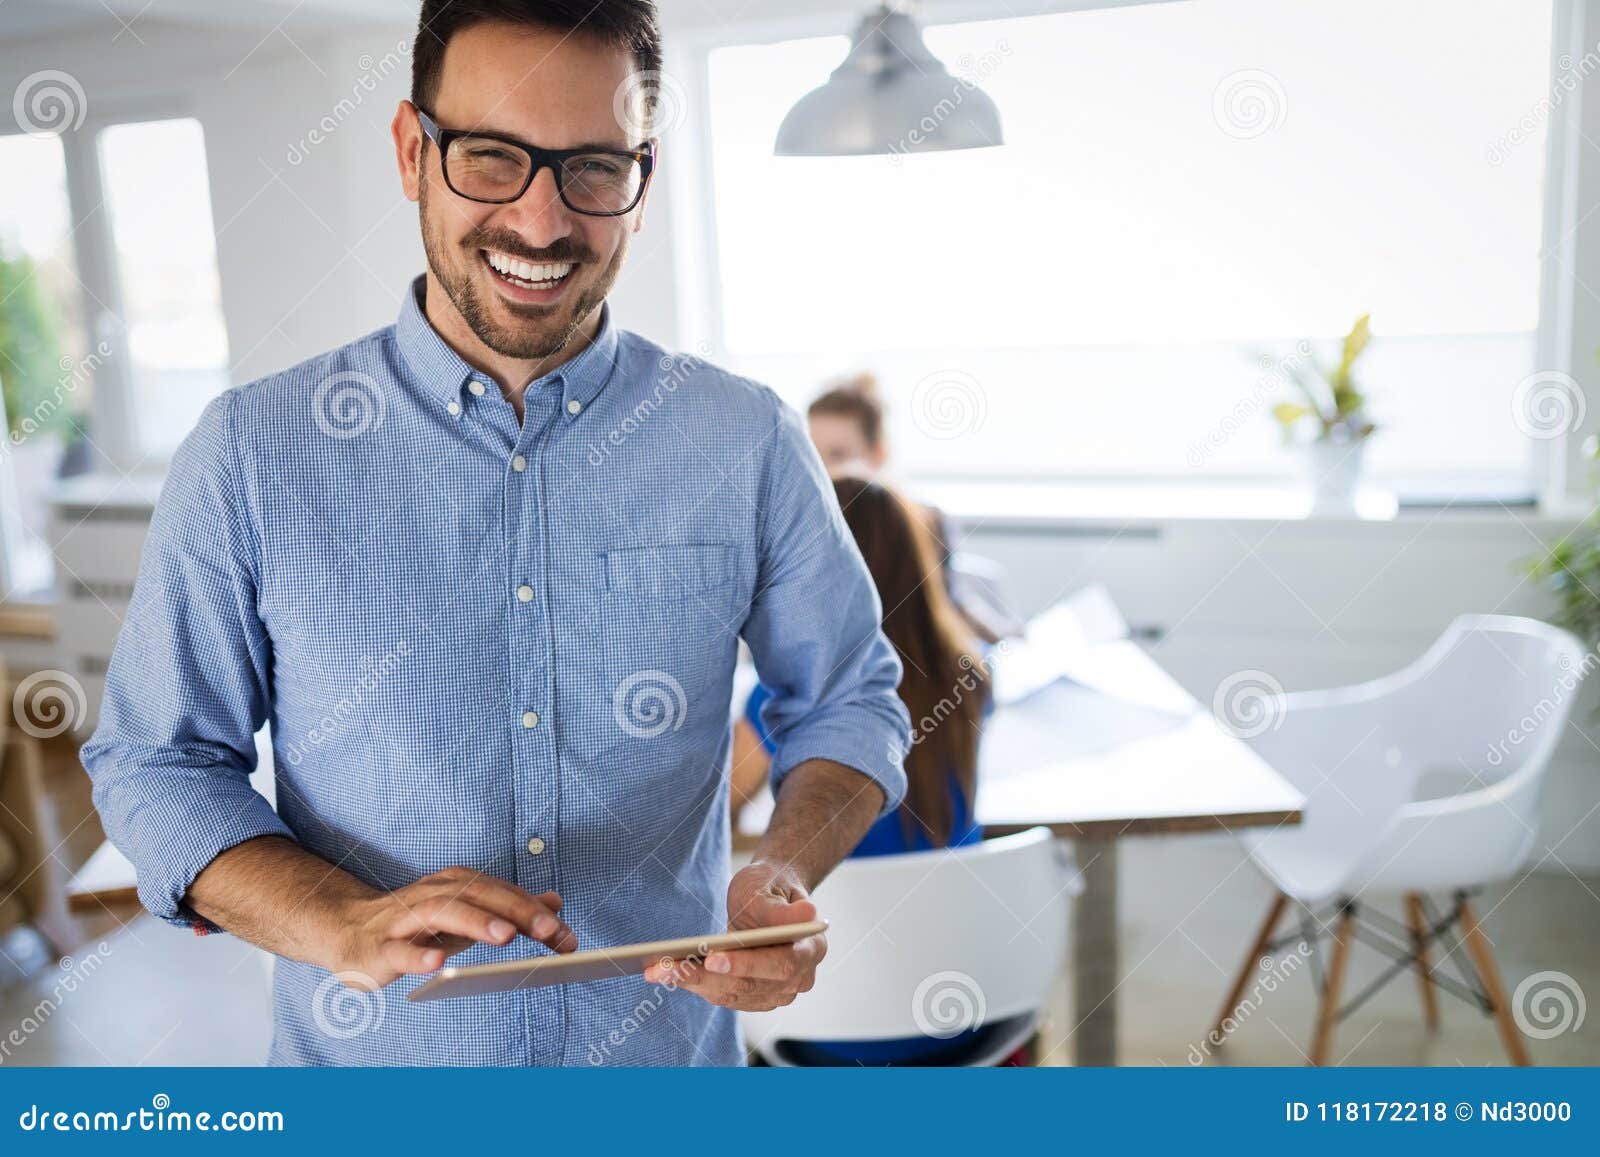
pixel 428 355
pixel 445 372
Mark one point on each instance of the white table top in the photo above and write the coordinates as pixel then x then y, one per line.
pixel 1148 760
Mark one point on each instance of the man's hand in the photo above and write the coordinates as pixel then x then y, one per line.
pixel 755 979
pixel 413 929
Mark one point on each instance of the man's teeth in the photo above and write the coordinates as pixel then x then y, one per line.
pixel 529 273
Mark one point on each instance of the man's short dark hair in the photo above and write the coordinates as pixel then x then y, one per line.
pixel 856 398
pixel 629 24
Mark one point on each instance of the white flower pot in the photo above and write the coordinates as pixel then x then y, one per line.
pixel 1334 473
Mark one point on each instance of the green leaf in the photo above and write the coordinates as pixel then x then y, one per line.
pixel 1355 341
pixel 1288 413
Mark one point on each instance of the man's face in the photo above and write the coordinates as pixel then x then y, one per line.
pixel 843 447
pixel 544 88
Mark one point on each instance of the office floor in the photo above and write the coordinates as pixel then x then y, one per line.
pixel 159 996
pixel 1191 908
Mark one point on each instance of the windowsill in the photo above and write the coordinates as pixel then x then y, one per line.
pixel 1066 502
pixel 1013 502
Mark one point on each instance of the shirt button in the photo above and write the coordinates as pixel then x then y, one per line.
pixel 454 409
pixel 530 719
pixel 525 593
pixel 519 463
pixel 574 406
pixel 476 388
pixel 535 846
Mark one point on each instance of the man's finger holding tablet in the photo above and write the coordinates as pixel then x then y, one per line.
pixel 761 895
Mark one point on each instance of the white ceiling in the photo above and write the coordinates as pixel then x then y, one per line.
pixel 23 18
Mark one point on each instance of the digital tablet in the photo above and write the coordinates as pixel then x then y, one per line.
pixel 599 963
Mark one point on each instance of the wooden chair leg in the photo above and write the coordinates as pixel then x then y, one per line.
pixel 1328 1008
pixel 1419 945
pixel 1251 962
pixel 1483 958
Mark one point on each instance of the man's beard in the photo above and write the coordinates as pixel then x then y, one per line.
pixel 544 335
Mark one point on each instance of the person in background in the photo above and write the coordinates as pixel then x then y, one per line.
pixel 943 685
pixel 847 424
pixel 943 678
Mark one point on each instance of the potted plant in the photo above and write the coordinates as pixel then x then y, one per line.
pixel 1571 572
pixel 1330 422
pixel 29 350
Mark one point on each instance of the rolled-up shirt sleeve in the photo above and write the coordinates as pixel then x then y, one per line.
pixel 815 627
pixel 186 687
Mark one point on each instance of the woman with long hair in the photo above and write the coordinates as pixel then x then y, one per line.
pixel 943 683
pixel 944 686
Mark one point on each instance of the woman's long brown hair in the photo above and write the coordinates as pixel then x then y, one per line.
pixel 943 685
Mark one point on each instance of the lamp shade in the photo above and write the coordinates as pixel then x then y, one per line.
pixel 891 95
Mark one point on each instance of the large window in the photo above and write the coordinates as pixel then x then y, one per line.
pixel 111 330
pixel 46 377
pixel 154 176
pixel 1186 191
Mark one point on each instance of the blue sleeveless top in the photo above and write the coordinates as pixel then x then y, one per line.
pixel 887 837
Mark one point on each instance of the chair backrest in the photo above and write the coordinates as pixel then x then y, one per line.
pixel 1495 696
pixel 932 943
pixel 1480 711
pixel 1489 699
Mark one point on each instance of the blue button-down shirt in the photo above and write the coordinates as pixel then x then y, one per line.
pixel 483 643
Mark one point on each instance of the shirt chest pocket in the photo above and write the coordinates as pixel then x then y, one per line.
pixel 668 635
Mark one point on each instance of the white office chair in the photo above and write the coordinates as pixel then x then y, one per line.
pixel 1421 781
pixel 933 944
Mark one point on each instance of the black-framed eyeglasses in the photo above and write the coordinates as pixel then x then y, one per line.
pixel 496 170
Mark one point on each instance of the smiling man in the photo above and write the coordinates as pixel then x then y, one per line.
pixel 497 663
